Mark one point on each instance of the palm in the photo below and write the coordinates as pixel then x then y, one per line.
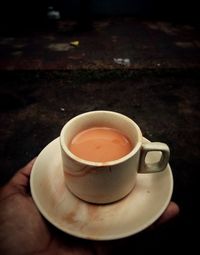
pixel 31 233
pixel 24 231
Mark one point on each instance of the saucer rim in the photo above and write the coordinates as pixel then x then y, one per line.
pixel 107 237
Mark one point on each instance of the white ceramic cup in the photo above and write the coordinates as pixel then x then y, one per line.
pixel 107 182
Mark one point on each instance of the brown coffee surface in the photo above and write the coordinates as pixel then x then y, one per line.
pixel 100 144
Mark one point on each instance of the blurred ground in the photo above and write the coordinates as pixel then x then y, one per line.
pixel 148 44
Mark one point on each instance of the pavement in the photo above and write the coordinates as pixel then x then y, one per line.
pixel 45 81
pixel 147 44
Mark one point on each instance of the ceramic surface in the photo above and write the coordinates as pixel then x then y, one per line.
pixel 107 182
pixel 138 210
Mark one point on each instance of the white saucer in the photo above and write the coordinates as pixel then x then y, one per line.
pixel 135 212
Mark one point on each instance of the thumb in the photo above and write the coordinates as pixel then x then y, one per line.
pixel 171 212
pixel 21 179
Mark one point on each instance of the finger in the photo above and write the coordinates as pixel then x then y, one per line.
pixel 21 178
pixel 171 212
pixel 27 168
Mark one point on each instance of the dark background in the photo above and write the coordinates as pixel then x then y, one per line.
pixel 40 89
pixel 175 9
pixel 14 13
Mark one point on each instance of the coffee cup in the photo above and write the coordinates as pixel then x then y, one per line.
pixel 107 181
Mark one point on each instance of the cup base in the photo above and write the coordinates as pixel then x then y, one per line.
pixel 100 199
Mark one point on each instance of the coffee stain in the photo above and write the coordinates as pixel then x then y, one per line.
pixel 87 170
pixel 91 220
pixel 93 211
pixel 71 218
pixel 99 216
pixel 95 218
pixel 59 193
pixel 80 173
pixel 82 217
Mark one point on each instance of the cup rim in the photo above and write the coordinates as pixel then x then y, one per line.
pixel 107 163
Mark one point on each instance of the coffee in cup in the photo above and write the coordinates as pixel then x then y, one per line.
pixel 102 153
pixel 100 144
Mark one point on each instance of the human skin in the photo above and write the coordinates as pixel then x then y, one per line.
pixel 24 231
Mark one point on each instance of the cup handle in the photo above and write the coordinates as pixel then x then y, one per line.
pixel 157 166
